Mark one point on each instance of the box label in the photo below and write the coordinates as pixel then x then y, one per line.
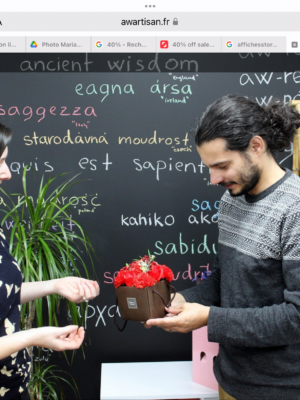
pixel 131 302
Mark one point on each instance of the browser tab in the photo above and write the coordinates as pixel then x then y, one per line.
pixel 12 44
pixel 189 44
pixel 55 44
pixel 133 44
pixel 248 44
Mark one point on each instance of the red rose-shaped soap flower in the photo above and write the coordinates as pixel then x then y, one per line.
pixel 135 266
pixel 168 273
pixel 143 273
pixel 156 272
pixel 143 280
pixel 129 278
pixel 118 280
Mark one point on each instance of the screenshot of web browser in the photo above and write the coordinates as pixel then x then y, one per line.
pixel 110 90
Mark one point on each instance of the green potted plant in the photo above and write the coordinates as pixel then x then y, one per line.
pixel 45 248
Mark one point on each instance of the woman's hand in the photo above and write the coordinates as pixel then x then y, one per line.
pixel 76 289
pixel 72 288
pixel 58 339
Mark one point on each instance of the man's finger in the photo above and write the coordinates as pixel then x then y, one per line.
pixel 157 322
pixel 175 309
pixel 171 315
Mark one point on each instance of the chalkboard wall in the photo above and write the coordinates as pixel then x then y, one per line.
pixel 143 183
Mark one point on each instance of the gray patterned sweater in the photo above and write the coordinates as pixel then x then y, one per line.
pixel 254 294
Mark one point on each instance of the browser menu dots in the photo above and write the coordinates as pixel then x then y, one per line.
pixel 119 44
pixel 53 44
pixel 189 44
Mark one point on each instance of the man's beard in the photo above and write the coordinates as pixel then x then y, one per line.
pixel 248 180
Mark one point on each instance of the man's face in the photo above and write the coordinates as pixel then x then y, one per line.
pixel 235 171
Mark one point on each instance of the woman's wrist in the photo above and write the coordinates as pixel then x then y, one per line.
pixel 26 338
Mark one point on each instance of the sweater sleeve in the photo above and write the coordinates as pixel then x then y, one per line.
pixel 207 292
pixel 274 325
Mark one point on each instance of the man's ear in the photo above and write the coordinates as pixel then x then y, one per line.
pixel 257 145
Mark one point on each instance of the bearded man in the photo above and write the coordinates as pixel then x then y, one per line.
pixel 251 301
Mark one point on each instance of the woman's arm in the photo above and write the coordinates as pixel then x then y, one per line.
pixel 59 339
pixel 72 288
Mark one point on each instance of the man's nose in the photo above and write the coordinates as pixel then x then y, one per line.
pixel 215 177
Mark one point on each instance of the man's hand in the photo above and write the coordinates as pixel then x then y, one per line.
pixel 178 299
pixel 186 317
pixel 76 289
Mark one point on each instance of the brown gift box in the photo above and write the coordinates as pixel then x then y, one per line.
pixel 142 304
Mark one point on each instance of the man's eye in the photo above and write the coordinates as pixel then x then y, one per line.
pixel 225 166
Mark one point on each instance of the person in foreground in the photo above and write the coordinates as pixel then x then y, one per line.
pixel 14 359
pixel 251 301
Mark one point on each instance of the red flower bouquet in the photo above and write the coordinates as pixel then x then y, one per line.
pixel 143 289
pixel 143 273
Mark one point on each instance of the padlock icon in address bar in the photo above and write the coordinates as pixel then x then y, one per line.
pixel 175 21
